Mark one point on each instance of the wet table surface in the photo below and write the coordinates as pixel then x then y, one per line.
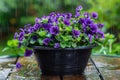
pixel 109 67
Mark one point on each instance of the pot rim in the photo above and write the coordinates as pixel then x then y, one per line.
pixel 52 48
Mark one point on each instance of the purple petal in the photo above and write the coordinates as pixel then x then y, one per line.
pixel 100 34
pixel 57 45
pixel 38 20
pixel 28 53
pixel 21 36
pixel 79 8
pixel 90 37
pixel 27 25
pixel 75 33
pixel 37 26
pixel 81 20
pixel 15 35
pixel 100 25
pixel 86 15
pixel 69 15
pixel 19 45
pixel 54 30
pixel 84 27
pixel 67 22
pixel 46 41
pixel 88 21
pixel 94 15
pixel 77 14
pixel 18 65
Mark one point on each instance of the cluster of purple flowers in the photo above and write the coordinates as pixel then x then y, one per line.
pixel 55 24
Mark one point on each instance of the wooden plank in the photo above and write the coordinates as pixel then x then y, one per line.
pixel 6 65
pixel 4 73
pixel 108 66
pixel 90 72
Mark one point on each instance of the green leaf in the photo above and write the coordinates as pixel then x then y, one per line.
pixel 68 44
pixel 76 28
pixel 68 28
pixel 27 34
pixel 78 39
pixel 63 45
pixel 59 37
pixel 40 41
pixel 45 20
pixel 42 33
pixel 12 43
pixel 48 35
pixel 74 45
pixel 67 38
pixel 32 41
pixel 5 49
pixel 9 43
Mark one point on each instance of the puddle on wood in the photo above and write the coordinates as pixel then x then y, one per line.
pixel 109 63
pixel 110 74
pixel 109 67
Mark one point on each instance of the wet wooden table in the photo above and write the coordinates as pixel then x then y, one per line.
pixel 109 67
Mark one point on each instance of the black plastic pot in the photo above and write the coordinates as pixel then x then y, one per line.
pixel 67 61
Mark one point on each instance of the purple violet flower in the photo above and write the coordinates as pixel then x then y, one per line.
pixel 77 14
pixel 81 20
pixel 38 20
pixel 100 25
pixel 57 45
pixel 90 37
pixel 54 30
pixel 94 15
pixel 28 53
pixel 15 35
pixel 76 33
pixel 100 34
pixel 84 27
pixel 19 44
pixel 69 15
pixel 31 30
pixel 27 25
pixel 86 15
pixel 53 19
pixel 18 65
pixel 52 13
pixel 21 36
pixel 66 22
pixel 21 29
pixel 46 41
pixel 79 8
pixel 34 38
pixel 47 26
pixel 88 21
pixel 37 26
pixel 93 28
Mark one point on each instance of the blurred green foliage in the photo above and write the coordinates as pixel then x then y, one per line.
pixel 108 47
pixel 12 48
pixel 6 7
